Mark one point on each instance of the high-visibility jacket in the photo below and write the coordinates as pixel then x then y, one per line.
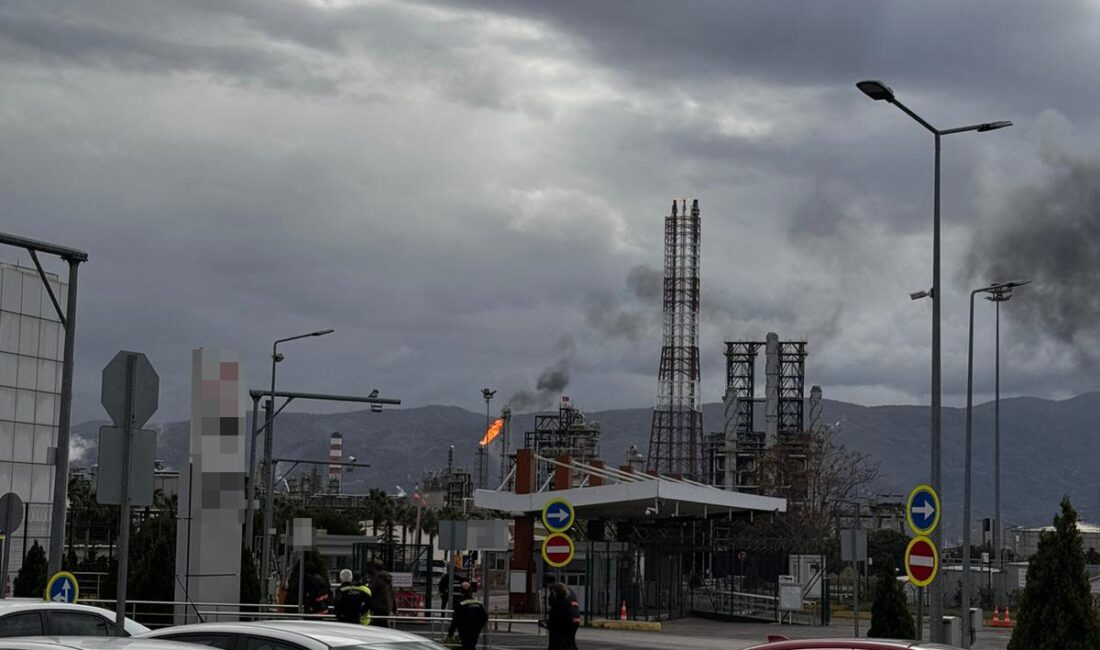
pixel 365 618
pixel 352 604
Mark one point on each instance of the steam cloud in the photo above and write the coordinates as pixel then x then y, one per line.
pixel 1050 232
pixel 551 382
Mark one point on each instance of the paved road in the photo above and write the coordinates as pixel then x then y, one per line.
pixel 700 634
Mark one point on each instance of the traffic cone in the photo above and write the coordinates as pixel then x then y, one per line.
pixel 622 611
pixel 1008 619
pixel 996 622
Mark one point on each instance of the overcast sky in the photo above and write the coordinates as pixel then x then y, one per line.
pixel 472 194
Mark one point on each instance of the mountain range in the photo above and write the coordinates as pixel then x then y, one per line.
pixel 1049 447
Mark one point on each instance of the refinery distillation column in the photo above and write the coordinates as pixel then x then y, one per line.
pixel 676 439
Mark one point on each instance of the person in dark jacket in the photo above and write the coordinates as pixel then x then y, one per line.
pixel 562 619
pixel 469 617
pixel 317 596
pixel 383 602
pixel 352 602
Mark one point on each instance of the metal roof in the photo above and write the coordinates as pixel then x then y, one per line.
pixel 658 497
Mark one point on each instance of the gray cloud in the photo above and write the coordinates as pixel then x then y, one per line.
pixel 453 186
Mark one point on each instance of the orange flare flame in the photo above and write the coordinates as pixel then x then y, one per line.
pixel 492 433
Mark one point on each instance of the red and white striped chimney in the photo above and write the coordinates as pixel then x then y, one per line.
pixel 335 455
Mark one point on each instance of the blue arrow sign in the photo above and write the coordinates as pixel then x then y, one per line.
pixel 557 515
pixel 923 510
pixel 62 588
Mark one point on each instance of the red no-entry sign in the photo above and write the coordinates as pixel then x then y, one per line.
pixel 922 561
pixel 557 550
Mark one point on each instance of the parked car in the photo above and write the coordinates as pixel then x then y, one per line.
pixel 780 643
pixel 293 635
pixel 31 617
pixel 89 643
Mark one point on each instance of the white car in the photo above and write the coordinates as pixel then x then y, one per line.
pixel 294 635
pixel 30 617
pixel 89 643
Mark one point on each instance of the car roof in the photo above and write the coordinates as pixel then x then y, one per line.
pixel 91 643
pixel 847 644
pixel 331 634
pixel 12 604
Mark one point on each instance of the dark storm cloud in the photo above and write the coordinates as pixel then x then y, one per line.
pixel 43 39
pixel 1049 231
pixel 987 47
pixel 235 181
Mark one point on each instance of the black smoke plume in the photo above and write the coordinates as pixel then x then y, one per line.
pixel 1049 232
pixel 551 382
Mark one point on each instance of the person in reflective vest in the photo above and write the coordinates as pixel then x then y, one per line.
pixel 469 617
pixel 352 602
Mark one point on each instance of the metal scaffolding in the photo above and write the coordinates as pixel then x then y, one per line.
pixel 676 436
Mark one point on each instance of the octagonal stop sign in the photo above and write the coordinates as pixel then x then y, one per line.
pixel 146 388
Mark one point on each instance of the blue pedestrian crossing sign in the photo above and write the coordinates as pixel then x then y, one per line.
pixel 922 510
pixel 62 588
pixel 557 515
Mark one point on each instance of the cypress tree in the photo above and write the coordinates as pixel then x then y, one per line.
pixel 1056 608
pixel 31 580
pixel 890 617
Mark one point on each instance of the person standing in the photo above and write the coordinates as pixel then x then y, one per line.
pixel 352 602
pixel 469 617
pixel 383 601
pixel 562 619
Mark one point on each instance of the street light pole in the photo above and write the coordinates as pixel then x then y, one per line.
pixel 879 91
pixel 269 435
pixel 997 296
pixel 996 289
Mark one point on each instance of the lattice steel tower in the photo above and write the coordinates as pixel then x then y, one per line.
pixel 676 438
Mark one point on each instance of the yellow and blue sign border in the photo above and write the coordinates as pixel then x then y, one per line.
pixel 909 509
pixel 555 528
pixel 58 576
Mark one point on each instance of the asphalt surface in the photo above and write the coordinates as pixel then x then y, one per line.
pixel 696 634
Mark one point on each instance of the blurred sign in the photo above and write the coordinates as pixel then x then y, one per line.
pixel 108 477
pixel 853 545
pixel 452 535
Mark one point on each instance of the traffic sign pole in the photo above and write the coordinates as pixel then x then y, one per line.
pixel 124 508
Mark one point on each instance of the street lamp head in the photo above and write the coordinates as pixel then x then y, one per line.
pixel 993 126
pixel 1002 291
pixel 917 295
pixel 322 332
pixel 876 90
pixel 488 394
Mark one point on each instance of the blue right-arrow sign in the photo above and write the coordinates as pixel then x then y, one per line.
pixel 922 510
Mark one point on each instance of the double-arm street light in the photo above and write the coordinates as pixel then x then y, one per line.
pixel 881 92
pixel 1001 290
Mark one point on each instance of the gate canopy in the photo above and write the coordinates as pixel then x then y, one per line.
pixel 650 497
